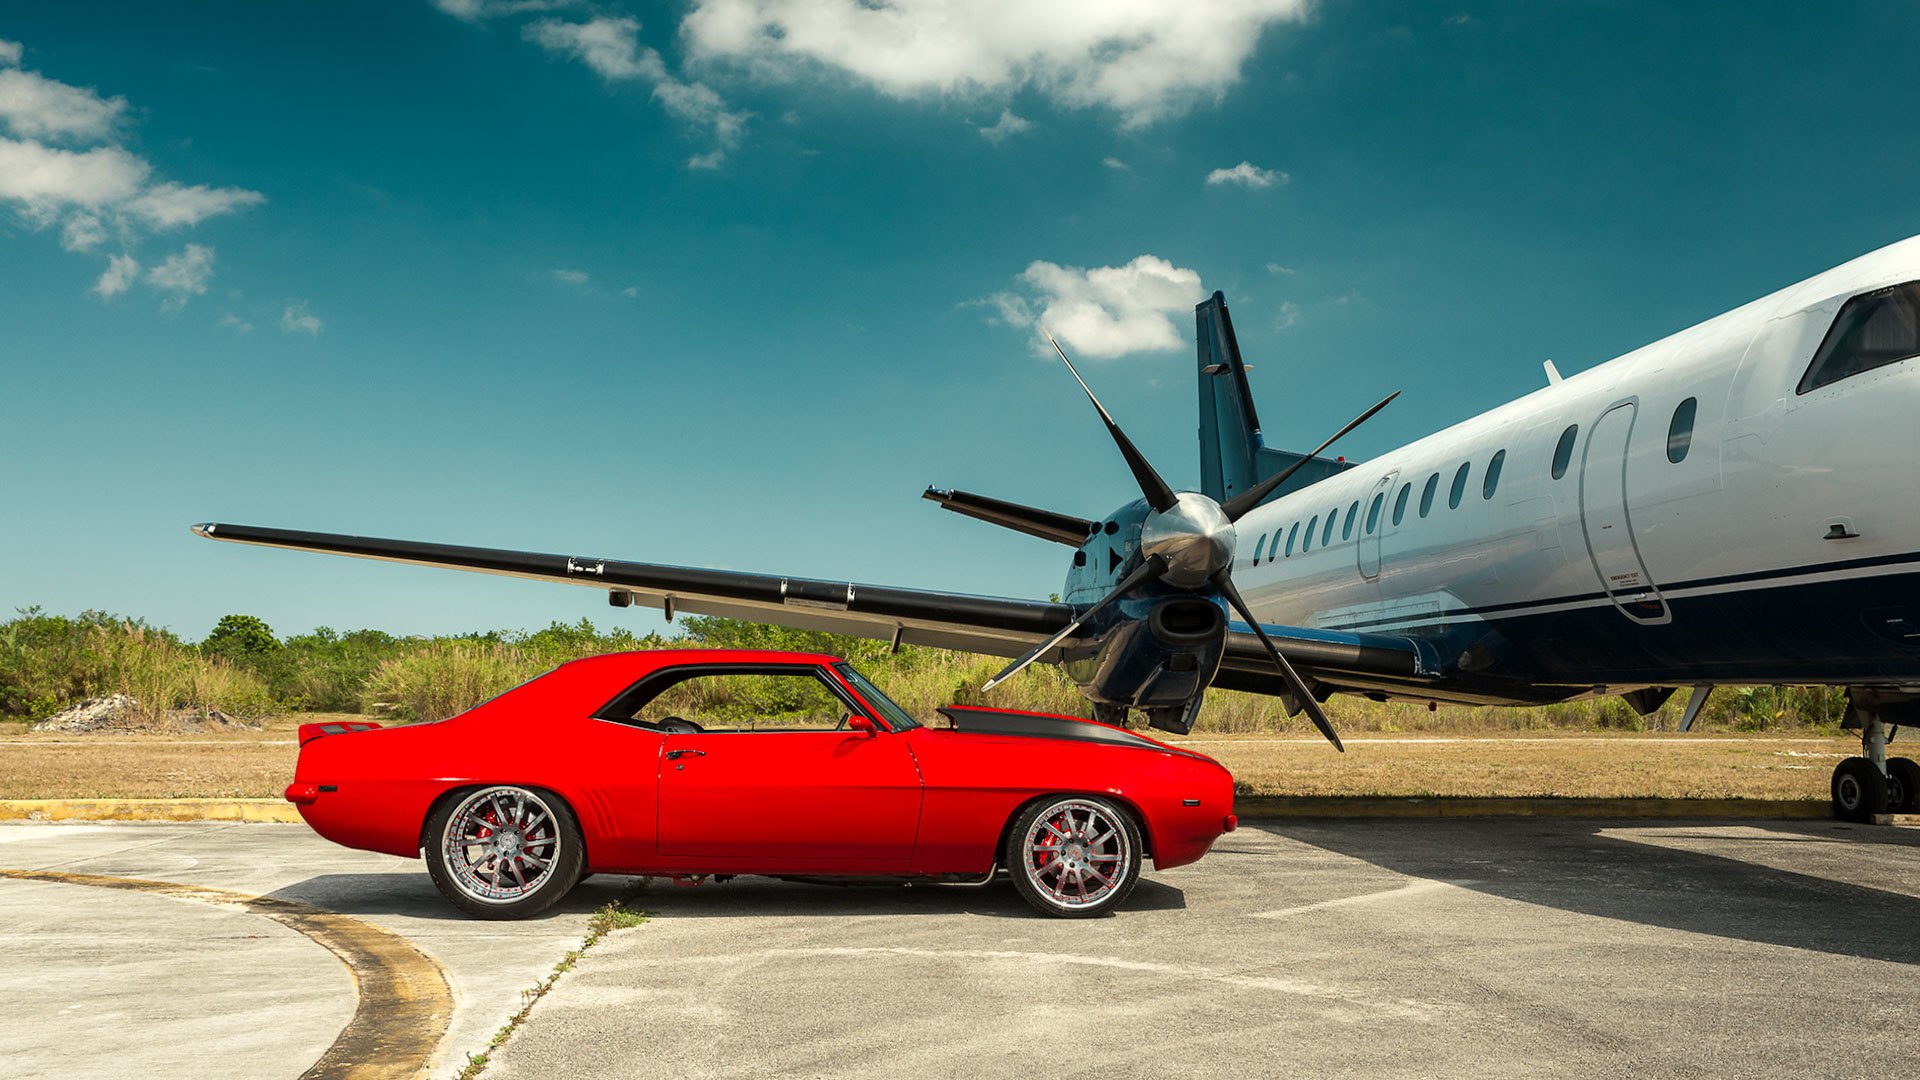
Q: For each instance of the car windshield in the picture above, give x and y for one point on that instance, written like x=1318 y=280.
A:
x=896 y=717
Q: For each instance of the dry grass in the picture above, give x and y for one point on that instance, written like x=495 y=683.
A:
x=259 y=764
x=1571 y=765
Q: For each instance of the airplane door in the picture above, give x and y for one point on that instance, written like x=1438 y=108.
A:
x=1608 y=525
x=1373 y=523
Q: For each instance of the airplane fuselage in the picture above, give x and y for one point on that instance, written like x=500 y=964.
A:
x=1680 y=515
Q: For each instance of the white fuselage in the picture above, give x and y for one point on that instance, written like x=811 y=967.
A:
x=1631 y=568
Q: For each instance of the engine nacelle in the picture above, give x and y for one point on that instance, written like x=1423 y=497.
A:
x=1159 y=662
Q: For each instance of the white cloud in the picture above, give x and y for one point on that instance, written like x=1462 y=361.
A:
x=82 y=232
x=101 y=192
x=1276 y=268
x=571 y=277
x=1247 y=174
x=630 y=291
x=1008 y=124
x=1116 y=164
x=1289 y=314
x=1105 y=311
x=183 y=274
x=295 y=318
x=477 y=10
x=47 y=179
x=610 y=45
x=36 y=107
x=237 y=324
x=171 y=205
x=1144 y=59
x=121 y=270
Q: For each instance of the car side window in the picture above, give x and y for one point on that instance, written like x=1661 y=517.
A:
x=1872 y=330
x=732 y=698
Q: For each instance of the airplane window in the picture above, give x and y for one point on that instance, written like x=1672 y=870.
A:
x=1492 y=481
x=1872 y=330
x=1292 y=534
x=1326 y=534
x=1426 y=494
x=1346 y=531
x=1459 y=486
x=1258 y=545
x=1400 y=504
x=1373 y=511
x=1306 y=542
x=1563 y=451
x=1680 y=432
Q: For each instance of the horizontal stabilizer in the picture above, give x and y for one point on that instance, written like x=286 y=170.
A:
x=1045 y=524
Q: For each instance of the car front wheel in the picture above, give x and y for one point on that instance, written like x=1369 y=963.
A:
x=1074 y=857
x=503 y=852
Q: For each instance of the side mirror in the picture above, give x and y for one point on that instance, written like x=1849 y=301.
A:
x=861 y=723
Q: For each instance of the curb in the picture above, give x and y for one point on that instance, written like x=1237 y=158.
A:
x=148 y=810
x=1256 y=807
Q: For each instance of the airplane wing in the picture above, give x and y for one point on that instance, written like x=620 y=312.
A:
x=996 y=626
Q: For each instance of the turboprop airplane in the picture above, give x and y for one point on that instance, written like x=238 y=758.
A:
x=1733 y=504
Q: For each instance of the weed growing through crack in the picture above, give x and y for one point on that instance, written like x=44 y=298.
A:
x=615 y=916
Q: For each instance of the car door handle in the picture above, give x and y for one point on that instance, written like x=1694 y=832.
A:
x=673 y=755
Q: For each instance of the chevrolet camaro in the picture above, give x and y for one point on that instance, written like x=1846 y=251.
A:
x=707 y=763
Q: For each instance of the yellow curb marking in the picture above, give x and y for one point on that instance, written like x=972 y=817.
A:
x=403 y=1002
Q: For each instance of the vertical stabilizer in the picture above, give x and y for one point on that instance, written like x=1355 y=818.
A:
x=1233 y=454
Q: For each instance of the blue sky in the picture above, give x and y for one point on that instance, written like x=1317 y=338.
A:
x=659 y=282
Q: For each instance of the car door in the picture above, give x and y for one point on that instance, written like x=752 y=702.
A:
x=825 y=800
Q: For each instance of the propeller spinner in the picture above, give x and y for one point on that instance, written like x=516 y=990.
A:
x=1187 y=541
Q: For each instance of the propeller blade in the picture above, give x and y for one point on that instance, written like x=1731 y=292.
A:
x=1225 y=584
x=1153 y=567
x=1158 y=494
x=1045 y=524
x=1237 y=507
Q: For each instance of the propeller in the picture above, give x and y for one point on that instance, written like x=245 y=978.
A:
x=1151 y=568
x=1300 y=692
x=1187 y=541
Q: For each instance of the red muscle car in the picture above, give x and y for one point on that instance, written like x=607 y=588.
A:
x=799 y=767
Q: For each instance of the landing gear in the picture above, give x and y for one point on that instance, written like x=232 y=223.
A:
x=1115 y=715
x=1873 y=784
x=1859 y=790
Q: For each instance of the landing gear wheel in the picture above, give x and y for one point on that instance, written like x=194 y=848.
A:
x=1074 y=858
x=1859 y=790
x=504 y=852
x=1903 y=786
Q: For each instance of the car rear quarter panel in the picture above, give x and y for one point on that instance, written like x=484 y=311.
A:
x=976 y=782
x=539 y=735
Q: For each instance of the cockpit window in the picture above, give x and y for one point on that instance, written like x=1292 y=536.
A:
x=1873 y=330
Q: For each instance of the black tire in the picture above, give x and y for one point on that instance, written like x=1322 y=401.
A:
x=1091 y=834
x=549 y=828
x=1903 y=786
x=1859 y=790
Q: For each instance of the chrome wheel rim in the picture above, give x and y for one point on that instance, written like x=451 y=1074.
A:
x=501 y=844
x=1076 y=854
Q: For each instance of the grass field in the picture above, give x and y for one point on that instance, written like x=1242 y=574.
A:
x=259 y=764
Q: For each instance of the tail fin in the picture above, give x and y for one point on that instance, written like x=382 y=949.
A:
x=1233 y=456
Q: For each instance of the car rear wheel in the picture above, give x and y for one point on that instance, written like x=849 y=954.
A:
x=504 y=852
x=1074 y=857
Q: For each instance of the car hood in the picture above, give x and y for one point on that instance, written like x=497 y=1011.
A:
x=972 y=719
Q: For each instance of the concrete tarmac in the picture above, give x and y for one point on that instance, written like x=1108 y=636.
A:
x=1423 y=947
x=103 y=982
x=1472 y=947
